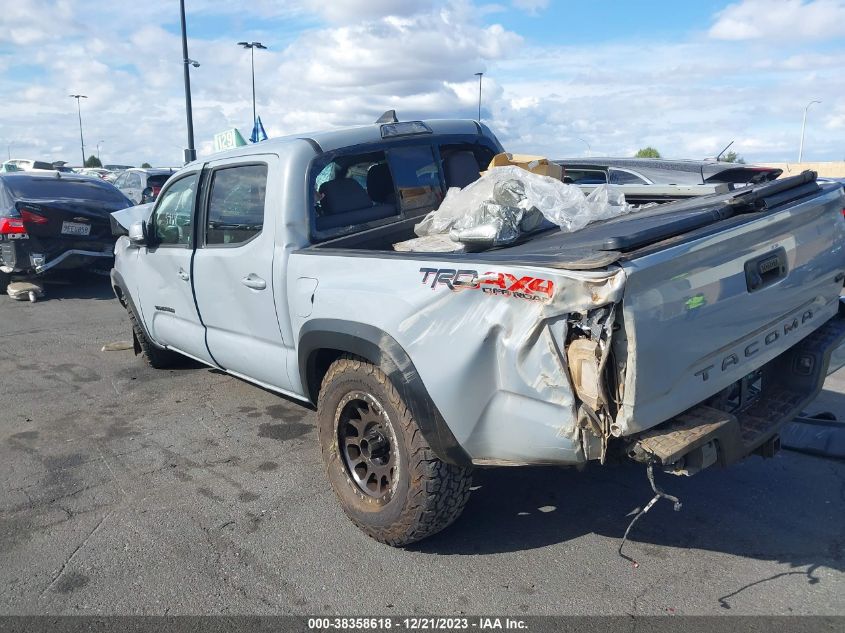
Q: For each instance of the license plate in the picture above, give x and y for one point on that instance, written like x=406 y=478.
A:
x=75 y=228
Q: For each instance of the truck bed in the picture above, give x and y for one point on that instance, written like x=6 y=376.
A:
x=605 y=242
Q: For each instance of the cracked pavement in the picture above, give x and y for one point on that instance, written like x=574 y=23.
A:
x=127 y=490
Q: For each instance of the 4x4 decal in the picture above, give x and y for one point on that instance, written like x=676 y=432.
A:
x=495 y=283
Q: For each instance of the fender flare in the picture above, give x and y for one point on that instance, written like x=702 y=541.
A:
x=380 y=349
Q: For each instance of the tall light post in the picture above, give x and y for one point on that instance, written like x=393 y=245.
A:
x=589 y=149
x=98 y=151
x=190 y=152
x=479 y=75
x=9 y=150
x=252 y=46
x=79 y=112
x=803 y=125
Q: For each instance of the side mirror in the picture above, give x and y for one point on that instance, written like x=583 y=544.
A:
x=147 y=195
x=138 y=233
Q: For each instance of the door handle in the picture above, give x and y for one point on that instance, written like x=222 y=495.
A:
x=254 y=281
x=183 y=275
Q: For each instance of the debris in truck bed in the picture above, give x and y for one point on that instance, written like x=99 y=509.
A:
x=507 y=202
x=438 y=243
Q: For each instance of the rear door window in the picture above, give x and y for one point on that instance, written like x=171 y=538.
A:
x=236 y=204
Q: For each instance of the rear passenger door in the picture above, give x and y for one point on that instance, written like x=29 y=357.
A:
x=234 y=269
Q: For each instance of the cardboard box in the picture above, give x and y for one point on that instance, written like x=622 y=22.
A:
x=535 y=164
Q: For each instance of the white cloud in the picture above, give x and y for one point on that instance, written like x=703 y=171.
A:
x=531 y=6
x=787 y=19
x=348 y=10
x=348 y=64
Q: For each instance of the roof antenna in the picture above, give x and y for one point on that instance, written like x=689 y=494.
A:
x=388 y=117
x=723 y=151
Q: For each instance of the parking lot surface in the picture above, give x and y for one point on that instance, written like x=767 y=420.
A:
x=127 y=490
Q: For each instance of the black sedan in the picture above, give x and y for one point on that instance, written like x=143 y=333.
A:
x=54 y=220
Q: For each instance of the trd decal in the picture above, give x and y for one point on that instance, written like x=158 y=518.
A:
x=493 y=283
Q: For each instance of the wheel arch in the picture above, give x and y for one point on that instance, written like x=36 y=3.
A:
x=322 y=341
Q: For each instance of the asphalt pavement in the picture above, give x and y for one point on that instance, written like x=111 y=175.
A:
x=127 y=490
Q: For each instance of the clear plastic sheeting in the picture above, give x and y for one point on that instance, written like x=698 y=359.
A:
x=509 y=201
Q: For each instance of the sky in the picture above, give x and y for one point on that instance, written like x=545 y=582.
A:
x=561 y=78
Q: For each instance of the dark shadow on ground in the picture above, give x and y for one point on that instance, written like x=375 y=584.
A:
x=783 y=509
x=76 y=284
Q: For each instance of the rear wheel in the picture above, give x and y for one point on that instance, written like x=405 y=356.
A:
x=388 y=480
x=155 y=356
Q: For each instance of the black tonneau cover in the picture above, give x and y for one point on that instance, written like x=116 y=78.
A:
x=629 y=232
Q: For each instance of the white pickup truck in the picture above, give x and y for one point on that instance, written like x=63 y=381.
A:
x=682 y=335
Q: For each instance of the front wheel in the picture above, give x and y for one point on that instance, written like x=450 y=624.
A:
x=156 y=357
x=388 y=480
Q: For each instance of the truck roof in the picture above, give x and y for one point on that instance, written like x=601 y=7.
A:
x=329 y=140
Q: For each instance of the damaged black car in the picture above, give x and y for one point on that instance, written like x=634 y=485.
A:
x=55 y=221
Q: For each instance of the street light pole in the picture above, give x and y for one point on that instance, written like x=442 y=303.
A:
x=79 y=112
x=252 y=46
x=479 y=75
x=589 y=149
x=803 y=125
x=98 y=151
x=190 y=152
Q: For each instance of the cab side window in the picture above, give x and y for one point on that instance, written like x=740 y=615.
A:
x=173 y=216
x=236 y=204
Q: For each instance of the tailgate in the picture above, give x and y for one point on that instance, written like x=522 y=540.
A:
x=701 y=315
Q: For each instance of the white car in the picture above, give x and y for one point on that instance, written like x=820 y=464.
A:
x=142 y=185
x=25 y=164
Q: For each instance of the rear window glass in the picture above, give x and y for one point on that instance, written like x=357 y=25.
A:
x=157 y=181
x=619 y=177
x=584 y=176
x=56 y=188
x=353 y=189
x=416 y=177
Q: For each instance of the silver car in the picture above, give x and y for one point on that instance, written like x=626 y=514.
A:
x=142 y=185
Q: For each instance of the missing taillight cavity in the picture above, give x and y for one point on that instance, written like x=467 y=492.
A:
x=31 y=217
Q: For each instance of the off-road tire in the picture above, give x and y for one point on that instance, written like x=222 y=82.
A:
x=429 y=494
x=5 y=279
x=156 y=357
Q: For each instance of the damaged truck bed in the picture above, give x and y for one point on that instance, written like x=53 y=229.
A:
x=680 y=336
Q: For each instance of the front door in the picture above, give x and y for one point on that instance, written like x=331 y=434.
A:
x=234 y=269
x=164 y=286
